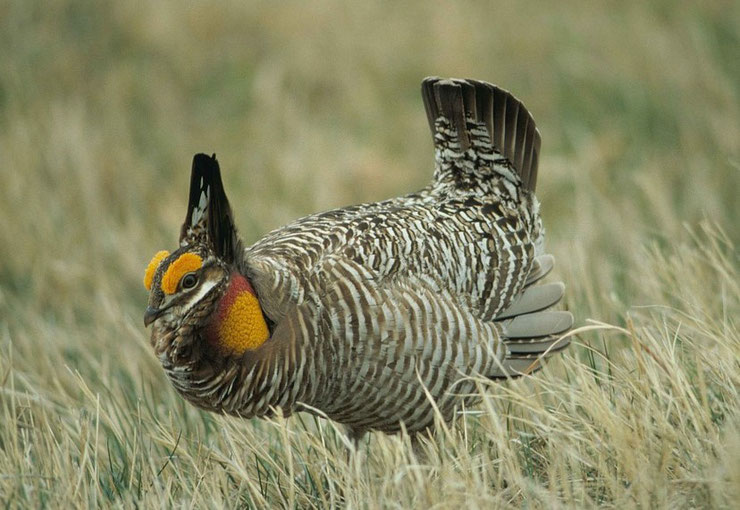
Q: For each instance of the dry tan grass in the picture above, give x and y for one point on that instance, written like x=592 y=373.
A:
x=315 y=106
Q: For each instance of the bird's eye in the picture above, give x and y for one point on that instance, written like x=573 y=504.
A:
x=189 y=281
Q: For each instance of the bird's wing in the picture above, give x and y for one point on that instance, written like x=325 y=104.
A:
x=391 y=345
x=389 y=320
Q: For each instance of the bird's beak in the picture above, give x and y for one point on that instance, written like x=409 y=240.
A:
x=151 y=314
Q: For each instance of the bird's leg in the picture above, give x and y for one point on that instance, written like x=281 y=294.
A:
x=417 y=446
x=354 y=435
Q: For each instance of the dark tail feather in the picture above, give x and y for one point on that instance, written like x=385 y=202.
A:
x=471 y=114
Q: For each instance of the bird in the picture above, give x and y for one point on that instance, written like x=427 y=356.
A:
x=379 y=316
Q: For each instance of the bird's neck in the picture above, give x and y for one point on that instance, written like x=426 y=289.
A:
x=238 y=324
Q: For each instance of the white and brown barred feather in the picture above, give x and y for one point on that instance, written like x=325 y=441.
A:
x=376 y=306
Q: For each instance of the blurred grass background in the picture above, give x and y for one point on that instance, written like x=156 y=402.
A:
x=315 y=105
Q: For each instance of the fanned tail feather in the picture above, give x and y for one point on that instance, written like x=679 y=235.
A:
x=479 y=127
x=530 y=331
x=482 y=131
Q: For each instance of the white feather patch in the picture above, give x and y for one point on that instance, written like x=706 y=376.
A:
x=202 y=291
x=200 y=209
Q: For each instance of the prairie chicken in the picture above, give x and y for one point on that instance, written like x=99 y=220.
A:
x=369 y=313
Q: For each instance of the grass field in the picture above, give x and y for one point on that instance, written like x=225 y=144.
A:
x=102 y=106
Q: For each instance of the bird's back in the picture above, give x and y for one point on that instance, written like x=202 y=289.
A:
x=473 y=230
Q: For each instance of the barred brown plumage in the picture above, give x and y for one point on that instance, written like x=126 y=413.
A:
x=373 y=309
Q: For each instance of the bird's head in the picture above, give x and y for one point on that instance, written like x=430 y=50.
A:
x=198 y=289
